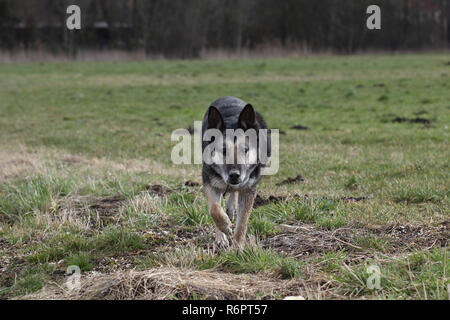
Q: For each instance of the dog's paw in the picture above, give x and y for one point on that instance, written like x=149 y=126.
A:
x=238 y=241
x=237 y=245
x=227 y=230
x=225 y=227
x=222 y=242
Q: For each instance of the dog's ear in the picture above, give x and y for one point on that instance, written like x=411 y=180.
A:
x=247 y=118
x=215 y=120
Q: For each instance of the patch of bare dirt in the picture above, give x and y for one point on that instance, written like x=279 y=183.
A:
x=11 y=265
x=263 y=201
x=108 y=205
x=73 y=160
x=107 y=208
x=190 y=183
x=304 y=240
x=94 y=211
x=158 y=190
x=416 y=236
x=299 y=127
x=356 y=199
x=411 y=120
x=298 y=178
x=174 y=283
x=161 y=190
x=113 y=263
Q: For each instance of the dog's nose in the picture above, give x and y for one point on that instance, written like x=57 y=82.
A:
x=234 y=177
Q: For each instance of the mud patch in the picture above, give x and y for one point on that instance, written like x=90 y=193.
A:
x=304 y=240
x=73 y=160
x=158 y=190
x=191 y=183
x=161 y=190
x=416 y=236
x=356 y=199
x=108 y=205
x=106 y=209
x=94 y=212
x=411 y=120
x=263 y=201
x=298 y=178
x=299 y=127
x=260 y=201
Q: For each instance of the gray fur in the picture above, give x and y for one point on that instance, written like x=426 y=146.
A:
x=238 y=179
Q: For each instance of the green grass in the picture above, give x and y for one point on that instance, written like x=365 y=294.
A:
x=251 y=259
x=73 y=134
x=34 y=193
x=422 y=275
x=81 y=259
x=254 y=259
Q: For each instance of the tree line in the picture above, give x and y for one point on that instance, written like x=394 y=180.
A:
x=186 y=28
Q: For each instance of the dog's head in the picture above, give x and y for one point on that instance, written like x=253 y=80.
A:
x=235 y=155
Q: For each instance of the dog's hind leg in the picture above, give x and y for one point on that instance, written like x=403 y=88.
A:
x=232 y=204
x=221 y=220
x=245 y=206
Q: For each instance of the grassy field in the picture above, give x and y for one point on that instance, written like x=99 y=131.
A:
x=86 y=179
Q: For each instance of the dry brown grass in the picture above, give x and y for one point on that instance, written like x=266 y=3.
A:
x=173 y=283
x=22 y=161
x=19 y=162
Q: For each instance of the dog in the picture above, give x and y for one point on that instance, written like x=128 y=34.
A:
x=238 y=177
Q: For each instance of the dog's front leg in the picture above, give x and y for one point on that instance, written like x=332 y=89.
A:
x=221 y=220
x=245 y=205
